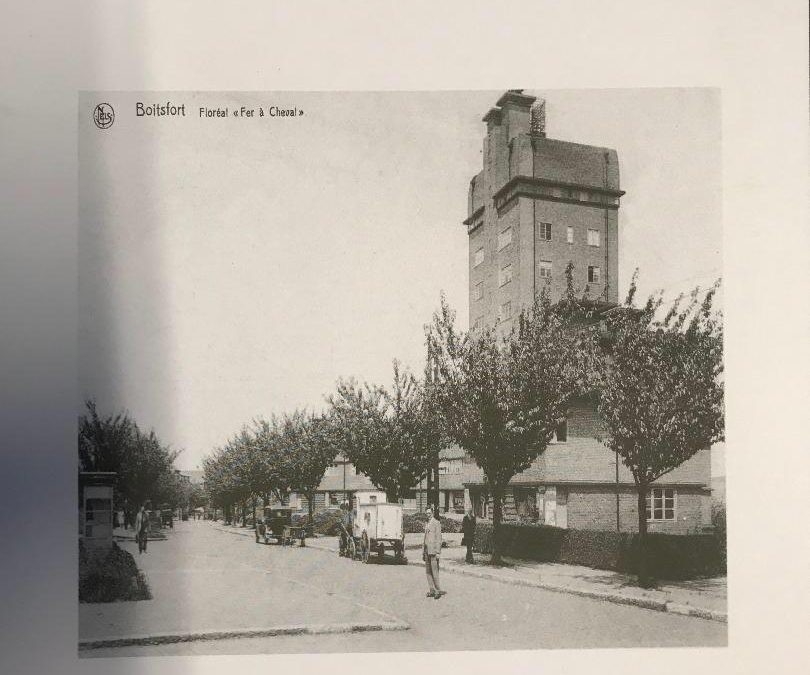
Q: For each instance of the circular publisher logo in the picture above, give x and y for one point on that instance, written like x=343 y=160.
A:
x=104 y=115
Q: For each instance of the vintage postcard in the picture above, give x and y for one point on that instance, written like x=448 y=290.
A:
x=400 y=371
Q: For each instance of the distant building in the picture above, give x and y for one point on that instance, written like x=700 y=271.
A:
x=195 y=477
x=342 y=479
x=451 y=485
x=339 y=483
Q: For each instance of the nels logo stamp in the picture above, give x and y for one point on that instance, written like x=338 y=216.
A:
x=104 y=115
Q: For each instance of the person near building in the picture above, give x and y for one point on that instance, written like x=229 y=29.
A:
x=261 y=531
x=345 y=527
x=142 y=528
x=468 y=528
x=431 y=549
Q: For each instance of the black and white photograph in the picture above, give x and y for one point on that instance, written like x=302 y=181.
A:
x=400 y=371
x=406 y=337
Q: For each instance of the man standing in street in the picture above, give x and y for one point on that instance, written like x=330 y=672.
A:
x=468 y=528
x=141 y=528
x=430 y=552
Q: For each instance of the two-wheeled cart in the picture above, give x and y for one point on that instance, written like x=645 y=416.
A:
x=376 y=528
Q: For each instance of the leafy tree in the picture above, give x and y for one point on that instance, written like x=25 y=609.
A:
x=143 y=465
x=311 y=446
x=391 y=435
x=661 y=394
x=503 y=398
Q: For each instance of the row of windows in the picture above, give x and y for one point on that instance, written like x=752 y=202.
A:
x=545 y=270
x=526 y=502
x=544 y=232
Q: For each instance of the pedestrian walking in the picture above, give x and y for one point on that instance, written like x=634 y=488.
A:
x=142 y=528
x=431 y=550
x=345 y=527
x=261 y=530
x=468 y=528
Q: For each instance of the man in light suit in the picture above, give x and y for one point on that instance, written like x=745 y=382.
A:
x=430 y=553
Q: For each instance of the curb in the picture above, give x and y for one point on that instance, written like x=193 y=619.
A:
x=272 y=631
x=616 y=598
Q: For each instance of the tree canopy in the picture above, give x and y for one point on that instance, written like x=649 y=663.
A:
x=144 y=467
x=503 y=397
x=393 y=435
x=661 y=389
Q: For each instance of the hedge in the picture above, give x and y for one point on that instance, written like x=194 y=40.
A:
x=110 y=577
x=323 y=522
x=415 y=522
x=669 y=556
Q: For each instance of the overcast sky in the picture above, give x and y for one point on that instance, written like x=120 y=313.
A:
x=231 y=268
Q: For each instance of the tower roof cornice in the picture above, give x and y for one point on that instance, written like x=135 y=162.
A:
x=516 y=97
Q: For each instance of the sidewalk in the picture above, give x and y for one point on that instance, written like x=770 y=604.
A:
x=704 y=598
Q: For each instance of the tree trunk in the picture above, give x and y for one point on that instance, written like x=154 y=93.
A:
x=310 y=499
x=497 y=517
x=643 y=576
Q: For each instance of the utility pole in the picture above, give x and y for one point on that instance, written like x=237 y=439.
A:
x=618 y=523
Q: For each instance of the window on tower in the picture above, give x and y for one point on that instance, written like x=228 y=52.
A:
x=593 y=237
x=545 y=231
x=545 y=269
x=504 y=238
x=505 y=312
x=594 y=274
x=478 y=291
x=478 y=324
x=505 y=275
x=479 y=257
x=569 y=234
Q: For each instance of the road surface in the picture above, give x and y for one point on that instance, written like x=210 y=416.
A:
x=248 y=582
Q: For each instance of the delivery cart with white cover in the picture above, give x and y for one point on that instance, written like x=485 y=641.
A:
x=377 y=526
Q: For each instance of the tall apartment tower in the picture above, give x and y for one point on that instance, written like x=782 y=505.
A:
x=537 y=204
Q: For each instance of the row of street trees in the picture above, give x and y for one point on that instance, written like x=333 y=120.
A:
x=392 y=435
x=657 y=376
x=270 y=457
x=143 y=465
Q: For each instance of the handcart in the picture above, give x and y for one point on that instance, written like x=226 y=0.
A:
x=376 y=528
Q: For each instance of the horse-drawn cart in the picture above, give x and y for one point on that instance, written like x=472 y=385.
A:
x=376 y=526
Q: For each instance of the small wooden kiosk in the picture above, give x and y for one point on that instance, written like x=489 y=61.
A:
x=96 y=509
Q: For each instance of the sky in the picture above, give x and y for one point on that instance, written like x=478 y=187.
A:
x=234 y=268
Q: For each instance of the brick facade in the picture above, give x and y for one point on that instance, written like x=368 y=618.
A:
x=529 y=181
x=573 y=484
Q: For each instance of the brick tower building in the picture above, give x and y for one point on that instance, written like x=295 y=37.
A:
x=537 y=204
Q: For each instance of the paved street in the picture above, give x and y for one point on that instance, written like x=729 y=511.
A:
x=204 y=578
